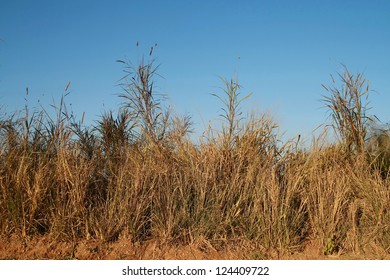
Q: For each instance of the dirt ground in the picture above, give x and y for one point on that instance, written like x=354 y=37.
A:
x=124 y=249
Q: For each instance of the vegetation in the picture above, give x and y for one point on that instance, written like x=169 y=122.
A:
x=138 y=173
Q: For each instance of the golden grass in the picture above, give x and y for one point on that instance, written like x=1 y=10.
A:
x=139 y=175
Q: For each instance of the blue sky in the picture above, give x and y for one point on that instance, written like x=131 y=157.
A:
x=286 y=50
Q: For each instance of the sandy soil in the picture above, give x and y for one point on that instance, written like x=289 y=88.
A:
x=46 y=248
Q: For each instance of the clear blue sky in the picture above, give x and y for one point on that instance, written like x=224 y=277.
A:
x=287 y=49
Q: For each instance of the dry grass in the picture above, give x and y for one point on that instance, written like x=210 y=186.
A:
x=138 y=174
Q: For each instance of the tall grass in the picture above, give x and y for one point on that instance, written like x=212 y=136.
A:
x=349 y=109
x=138 y=173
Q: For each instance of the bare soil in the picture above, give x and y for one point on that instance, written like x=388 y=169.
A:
x=123 y=249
